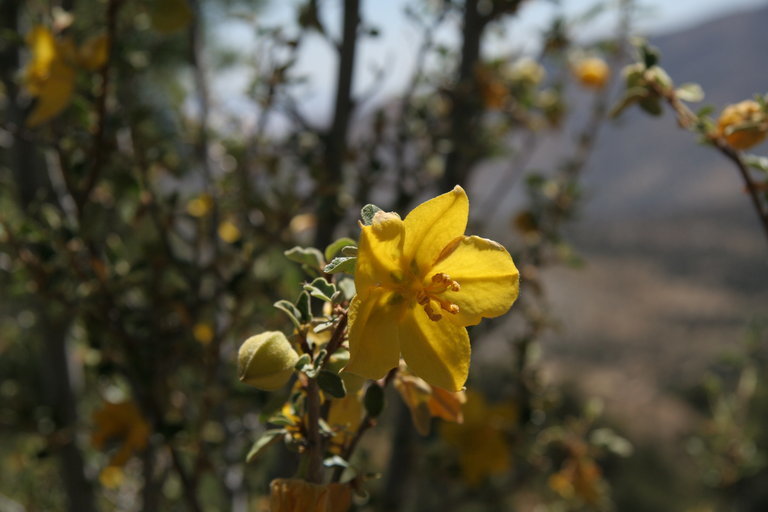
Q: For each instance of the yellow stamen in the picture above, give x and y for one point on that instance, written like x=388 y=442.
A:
x=440 y=283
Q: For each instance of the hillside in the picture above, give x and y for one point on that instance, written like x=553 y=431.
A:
x=676 y=262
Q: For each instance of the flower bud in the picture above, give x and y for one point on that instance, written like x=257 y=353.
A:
x=266 y=361
x=743 y=125
x=294 y=495
x=592 y=72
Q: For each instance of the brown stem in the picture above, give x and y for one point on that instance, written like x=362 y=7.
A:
x=62 y=400
x=331 y=176
x=337 y=337
x=690 y=121
x=190 y=494
x=202 y=144
x=467 y=108
x=407 y=175
x=97 y=154
x=314 y=452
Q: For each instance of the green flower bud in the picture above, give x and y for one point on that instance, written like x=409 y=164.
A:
x=633 y=74
x=266 y=361
x=658 y=75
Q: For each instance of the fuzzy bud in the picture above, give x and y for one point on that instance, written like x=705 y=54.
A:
x=266 y=361
x=592 y=72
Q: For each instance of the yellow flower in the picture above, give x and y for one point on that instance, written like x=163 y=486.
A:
x=200 y=206
x=420 y=282
x=492 y=90
x=592 y=72
x=344 y=418
x=229 y=232
x=294 y=495
x=425 y=401
x=111 y=477
x=481 y=439
x=203 y=333
x=50 y=74
x=743 y=125
x=579 y=477
x=119 y=421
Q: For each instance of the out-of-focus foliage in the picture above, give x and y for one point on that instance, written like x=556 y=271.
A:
x=148 y=228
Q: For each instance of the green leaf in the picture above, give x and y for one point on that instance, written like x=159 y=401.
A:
x=308 y=256
x=335 y=461
x=266 y=439
x=632 y=95
x=757 y=162
x=303 y=361
x=350 y=250
x=325 y=428
x=651 y=105
x=321 y=289
x=289 y=309
x=705 y=111
x=337 y=246
x=280 y=420
x=331 y=384
x=303 y=304
x=344 y=264
x=367 y=213
x=690 y=92
x=347 y=287
x=374 y=400
x=650 y=55
x=320 y=358
x=322 y=326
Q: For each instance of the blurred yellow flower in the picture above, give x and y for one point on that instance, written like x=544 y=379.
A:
x=579 y=477
x=50 y=74
x=492 y=90
x=94 y=52
x=294 y=495
x=124 y=423
x=481 y=439
x=111 y=477
x=425 y=401
x=420 y=282
x=344 y=418
x=743 y=125
x=592 y=72
x=203 y=333
x=200 y=206
x=229 y=232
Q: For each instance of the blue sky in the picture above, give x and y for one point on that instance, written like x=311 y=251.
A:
x=394 y=49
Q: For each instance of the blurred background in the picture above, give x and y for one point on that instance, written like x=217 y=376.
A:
x=158 y=157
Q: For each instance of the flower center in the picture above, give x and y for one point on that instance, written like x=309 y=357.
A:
x=429 y=298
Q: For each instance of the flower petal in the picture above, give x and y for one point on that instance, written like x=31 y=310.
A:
x=432 y=224
x=487 y=275
x=374 y=348
x=53 y=94
x=379 y=253
x=436 y=351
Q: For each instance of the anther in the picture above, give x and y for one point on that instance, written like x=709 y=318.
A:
x=431 y=314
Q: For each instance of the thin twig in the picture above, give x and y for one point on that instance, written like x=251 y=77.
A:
x=97 y=154
x=690 y=121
